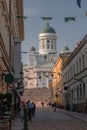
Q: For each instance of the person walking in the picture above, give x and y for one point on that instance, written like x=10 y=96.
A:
x=29 y=106
x=42 y=104
x=54 y=106
x=33 y=108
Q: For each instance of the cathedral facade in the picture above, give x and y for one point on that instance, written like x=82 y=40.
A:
x=38 y=72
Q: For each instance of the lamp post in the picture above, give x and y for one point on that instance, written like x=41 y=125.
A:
x=25 y=118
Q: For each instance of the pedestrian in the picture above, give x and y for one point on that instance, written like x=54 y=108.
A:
x=54 y=106
x=33 y=108
x=42 y=104
x=29 y=106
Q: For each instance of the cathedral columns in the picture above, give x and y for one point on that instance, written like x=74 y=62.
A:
x=35 y=79
x=47 y=76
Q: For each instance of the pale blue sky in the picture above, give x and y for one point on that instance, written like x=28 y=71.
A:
x=67 y=33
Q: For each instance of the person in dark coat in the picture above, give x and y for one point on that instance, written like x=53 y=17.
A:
x=54 y=106
x=30 y=106
x=33 y=108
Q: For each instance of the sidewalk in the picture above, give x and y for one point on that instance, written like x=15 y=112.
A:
x=76 y=115
x=17 y=124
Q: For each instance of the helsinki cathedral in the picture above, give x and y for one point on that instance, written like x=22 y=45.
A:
x=38 y=72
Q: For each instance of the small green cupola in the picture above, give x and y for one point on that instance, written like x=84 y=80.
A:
x=32 y=48
x=65 y=49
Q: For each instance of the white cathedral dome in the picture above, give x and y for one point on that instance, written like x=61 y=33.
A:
x=47 y=40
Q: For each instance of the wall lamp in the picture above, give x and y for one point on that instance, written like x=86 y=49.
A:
x=60 y=74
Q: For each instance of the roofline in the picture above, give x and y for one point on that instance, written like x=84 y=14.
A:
x=76 y=51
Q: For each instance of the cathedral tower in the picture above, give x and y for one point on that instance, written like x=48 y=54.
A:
x=47 y=40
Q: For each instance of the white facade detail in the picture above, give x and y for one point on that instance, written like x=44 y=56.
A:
x=47 y=43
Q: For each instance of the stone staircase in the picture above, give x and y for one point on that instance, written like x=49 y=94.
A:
x=37 y=95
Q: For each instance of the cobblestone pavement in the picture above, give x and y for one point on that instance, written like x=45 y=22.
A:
x=46 y=119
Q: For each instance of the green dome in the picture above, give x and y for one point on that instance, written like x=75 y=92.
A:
x=66 y=48
x=32 y=48
x=48 y=29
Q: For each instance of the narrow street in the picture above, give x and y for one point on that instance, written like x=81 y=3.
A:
x=46 y=119
x=43 y=61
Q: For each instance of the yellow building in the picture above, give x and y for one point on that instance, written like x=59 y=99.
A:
x=56 y=85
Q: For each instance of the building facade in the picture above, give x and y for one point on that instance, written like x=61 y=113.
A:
x=10 y=28
x=56 y=85
x=41 y=61
x=75 y=78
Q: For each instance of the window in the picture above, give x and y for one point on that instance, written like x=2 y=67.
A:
x=80 y=90
x=66 y=77
x=48 y=46
x=83 y=61
x=83 y=89
x=48 y=41
x=43 y=46
x=43 y=41
x=52 y=41
x=39 y=75
x=68 y=74
x=73 y=69
x=72 y=93
x=79 y=64
x=86 y=58
x=77 y=92
x=51 y=46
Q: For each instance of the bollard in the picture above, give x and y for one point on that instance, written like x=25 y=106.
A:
x=25 y=119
